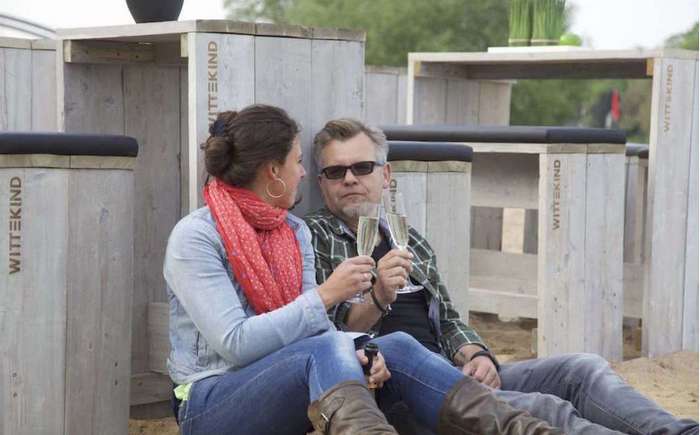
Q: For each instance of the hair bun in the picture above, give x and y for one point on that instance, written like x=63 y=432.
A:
x=222 y=123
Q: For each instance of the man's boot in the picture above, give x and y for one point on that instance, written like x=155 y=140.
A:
x=348 y=409
x=470 y=408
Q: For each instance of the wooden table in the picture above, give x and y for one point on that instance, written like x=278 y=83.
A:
x=573 y=286
x=670 y=275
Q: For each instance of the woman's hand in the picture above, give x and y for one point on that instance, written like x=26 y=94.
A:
x=379 y=373
x=350 y=277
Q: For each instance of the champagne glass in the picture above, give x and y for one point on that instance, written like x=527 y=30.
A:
x=395 y=208
x=367 y=229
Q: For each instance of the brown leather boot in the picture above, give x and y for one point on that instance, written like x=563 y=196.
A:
x=470 y=408
x=348 y=409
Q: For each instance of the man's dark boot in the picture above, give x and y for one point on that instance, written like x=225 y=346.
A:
x=348 y=409
x=470 y=408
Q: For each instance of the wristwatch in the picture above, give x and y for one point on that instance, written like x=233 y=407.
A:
x=490 y=356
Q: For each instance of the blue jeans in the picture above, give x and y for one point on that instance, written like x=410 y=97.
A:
x=272 y=394
x=581 y=394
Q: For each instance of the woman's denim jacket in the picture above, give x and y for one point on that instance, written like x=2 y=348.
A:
x=212 y=327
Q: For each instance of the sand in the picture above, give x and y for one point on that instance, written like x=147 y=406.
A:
x=671 y=380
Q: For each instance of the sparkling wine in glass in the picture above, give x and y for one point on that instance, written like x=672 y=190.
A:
x=395 y=208
x=367 y=228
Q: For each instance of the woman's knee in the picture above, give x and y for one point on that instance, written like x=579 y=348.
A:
x=402 y=339
x=333 y=343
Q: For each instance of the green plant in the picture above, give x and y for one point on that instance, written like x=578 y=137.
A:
x=548 y=21
x=520 y=22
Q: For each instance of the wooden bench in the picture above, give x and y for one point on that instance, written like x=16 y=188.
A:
x=575 y=179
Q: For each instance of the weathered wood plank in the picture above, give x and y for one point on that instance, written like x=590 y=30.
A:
x=158 y=336
x=430 y=101
x=486 y=227
x=93 y=99
x=560 y=260
x=382 y=98
x=463 y=102
x=521 y=269
x=151 y=98
x=107 y=52
x=215 y=85
x=337 y=88
x=635 y=188
x=98 y=319
x=411 y=73
x=690 y=298
x=44 y=90
x=603 y=255
x=414 y=187
x=633 y=283
x=494 y=102
x=183 y=155
x=503 y=303
x=150 y=388
x=490 y=103
x=401 y=99
x=15 y=89
x=530 y=232
x=33 y=311
x=664 y=253
x=283 y=78
x=505 y=180
x=448 y=206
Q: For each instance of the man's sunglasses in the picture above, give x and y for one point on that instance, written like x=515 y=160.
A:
x=359 y=168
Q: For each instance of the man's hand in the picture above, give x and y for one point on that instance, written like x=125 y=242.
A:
x=392 y=274
x=480 y=368
x=379 y=372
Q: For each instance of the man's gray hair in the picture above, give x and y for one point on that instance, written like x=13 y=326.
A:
x=346 y=128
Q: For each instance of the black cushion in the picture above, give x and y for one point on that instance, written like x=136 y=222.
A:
x=66 y=144
x=505 y=134
x=429 y=151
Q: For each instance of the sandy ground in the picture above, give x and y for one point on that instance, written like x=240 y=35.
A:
x=671 y=380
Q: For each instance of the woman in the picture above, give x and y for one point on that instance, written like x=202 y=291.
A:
x=252 y=346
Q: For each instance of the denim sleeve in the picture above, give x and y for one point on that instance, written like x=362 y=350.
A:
x=196 y=272
x=308 y=257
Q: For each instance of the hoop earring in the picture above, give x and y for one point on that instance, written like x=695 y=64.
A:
x=284 y=188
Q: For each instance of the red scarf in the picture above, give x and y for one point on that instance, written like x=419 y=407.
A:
x=261 y=247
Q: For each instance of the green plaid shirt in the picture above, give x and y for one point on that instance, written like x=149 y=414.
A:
x=333 y=242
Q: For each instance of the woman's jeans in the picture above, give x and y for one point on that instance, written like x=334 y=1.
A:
x=272 y=394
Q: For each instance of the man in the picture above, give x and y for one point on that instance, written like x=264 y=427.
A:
x=581 y=393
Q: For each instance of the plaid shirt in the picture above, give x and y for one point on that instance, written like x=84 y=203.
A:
x=333 y=242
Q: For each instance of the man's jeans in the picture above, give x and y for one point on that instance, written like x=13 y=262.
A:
x=575 y=391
